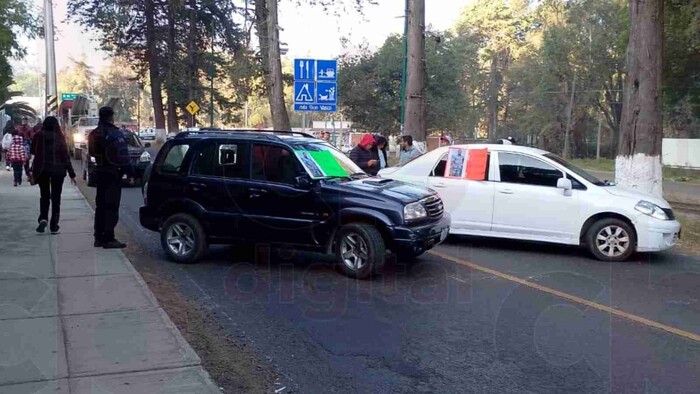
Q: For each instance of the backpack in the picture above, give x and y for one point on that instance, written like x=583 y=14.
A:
x=6 y=141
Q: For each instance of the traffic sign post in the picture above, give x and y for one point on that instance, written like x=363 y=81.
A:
x=315 y=85
x=192 y=108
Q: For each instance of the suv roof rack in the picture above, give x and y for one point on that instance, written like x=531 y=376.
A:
x=217 y=131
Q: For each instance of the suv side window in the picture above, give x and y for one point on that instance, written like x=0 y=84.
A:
x=224 y=160
x=275 y=164
x=526 y=170
x=173 y=160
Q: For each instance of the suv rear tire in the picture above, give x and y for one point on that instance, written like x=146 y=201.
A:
x=183 y=239
x=611 y=240
x=360 y=250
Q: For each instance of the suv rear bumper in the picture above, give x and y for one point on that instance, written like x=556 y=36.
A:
x=421 y=238
x=149 y=219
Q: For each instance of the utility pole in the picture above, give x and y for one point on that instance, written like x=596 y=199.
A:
x=51 y=99
x=405 y=64
x=568 y=118
x=415 y=125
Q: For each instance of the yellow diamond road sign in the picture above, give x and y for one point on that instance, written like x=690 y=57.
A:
x=192 y=108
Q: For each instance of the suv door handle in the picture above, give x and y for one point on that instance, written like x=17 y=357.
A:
x=196 y=186
x=506 y=191
x=255 y=192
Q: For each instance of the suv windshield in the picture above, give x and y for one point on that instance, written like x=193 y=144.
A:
x=131 y=139
x=321 y=160
x=583 y=174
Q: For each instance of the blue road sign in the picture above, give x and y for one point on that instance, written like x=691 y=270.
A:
x=326 y=70
x=304 y=70
x=315 y=87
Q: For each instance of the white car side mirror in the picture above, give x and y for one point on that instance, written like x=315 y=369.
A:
x=566 y=185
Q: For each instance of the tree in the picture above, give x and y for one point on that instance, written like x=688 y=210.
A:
x=414 y=117
x=16 y=20
x=166 y=42
x=638 y=163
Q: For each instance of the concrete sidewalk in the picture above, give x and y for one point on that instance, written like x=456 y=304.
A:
x=76 y=319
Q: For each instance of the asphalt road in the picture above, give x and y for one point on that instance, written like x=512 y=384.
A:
x=483 y=316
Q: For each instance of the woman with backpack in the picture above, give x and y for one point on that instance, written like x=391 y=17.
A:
x=51 y=163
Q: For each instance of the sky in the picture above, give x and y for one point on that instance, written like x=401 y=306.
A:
x=308 y=31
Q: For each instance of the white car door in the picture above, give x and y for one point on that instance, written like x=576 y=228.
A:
x=470 y=203
x=527 y=203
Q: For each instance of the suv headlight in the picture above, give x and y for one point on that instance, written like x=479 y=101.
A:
x=414 y=211
x=651 y=209
x=145 y=157
x=92 y=160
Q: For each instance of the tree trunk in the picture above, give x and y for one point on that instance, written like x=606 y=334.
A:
x=638 y=163
x=261 y=28
x=415 y=122
x=493 y=99
x=192 y=58
x=154 y=71
x=173 y=124
x=275 y=83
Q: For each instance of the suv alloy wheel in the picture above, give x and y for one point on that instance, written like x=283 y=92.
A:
x=360 y=250
x=183 y=238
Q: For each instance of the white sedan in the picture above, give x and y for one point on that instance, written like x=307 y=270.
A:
x=531 y=194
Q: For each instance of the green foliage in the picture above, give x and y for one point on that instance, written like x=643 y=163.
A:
x=184 y=60
x=371 y=84
x=16 y=19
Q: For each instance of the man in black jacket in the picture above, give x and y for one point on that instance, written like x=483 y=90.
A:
x=107 y=145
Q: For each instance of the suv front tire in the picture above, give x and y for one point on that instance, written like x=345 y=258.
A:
x=360 y=250
x=183 y=238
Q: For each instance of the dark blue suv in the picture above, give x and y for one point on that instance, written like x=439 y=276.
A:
x=222 y=187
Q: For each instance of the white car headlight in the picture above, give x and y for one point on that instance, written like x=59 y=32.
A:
x=78 y=137
x=651 y=209
x=145 y=157
x=414 y=211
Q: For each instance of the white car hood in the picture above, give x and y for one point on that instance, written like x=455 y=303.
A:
x=388 y=171
x=621 y=191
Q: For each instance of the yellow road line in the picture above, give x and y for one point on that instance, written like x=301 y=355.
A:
x=573 y=298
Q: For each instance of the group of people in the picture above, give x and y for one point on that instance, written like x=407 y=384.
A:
x=43 y=152
x=371 y=153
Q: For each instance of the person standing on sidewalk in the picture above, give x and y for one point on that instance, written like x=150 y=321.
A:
x=107 y=145
x=49 y=168
x=17 y=156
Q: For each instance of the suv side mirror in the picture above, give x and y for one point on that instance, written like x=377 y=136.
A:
x=566 y=185
x=303 y=182
x=147 y=145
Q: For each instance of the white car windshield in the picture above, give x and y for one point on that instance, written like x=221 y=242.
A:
x=321 y=160
x=578 y=171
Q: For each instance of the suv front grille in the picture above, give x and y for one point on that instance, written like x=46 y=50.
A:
x=434 y=206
